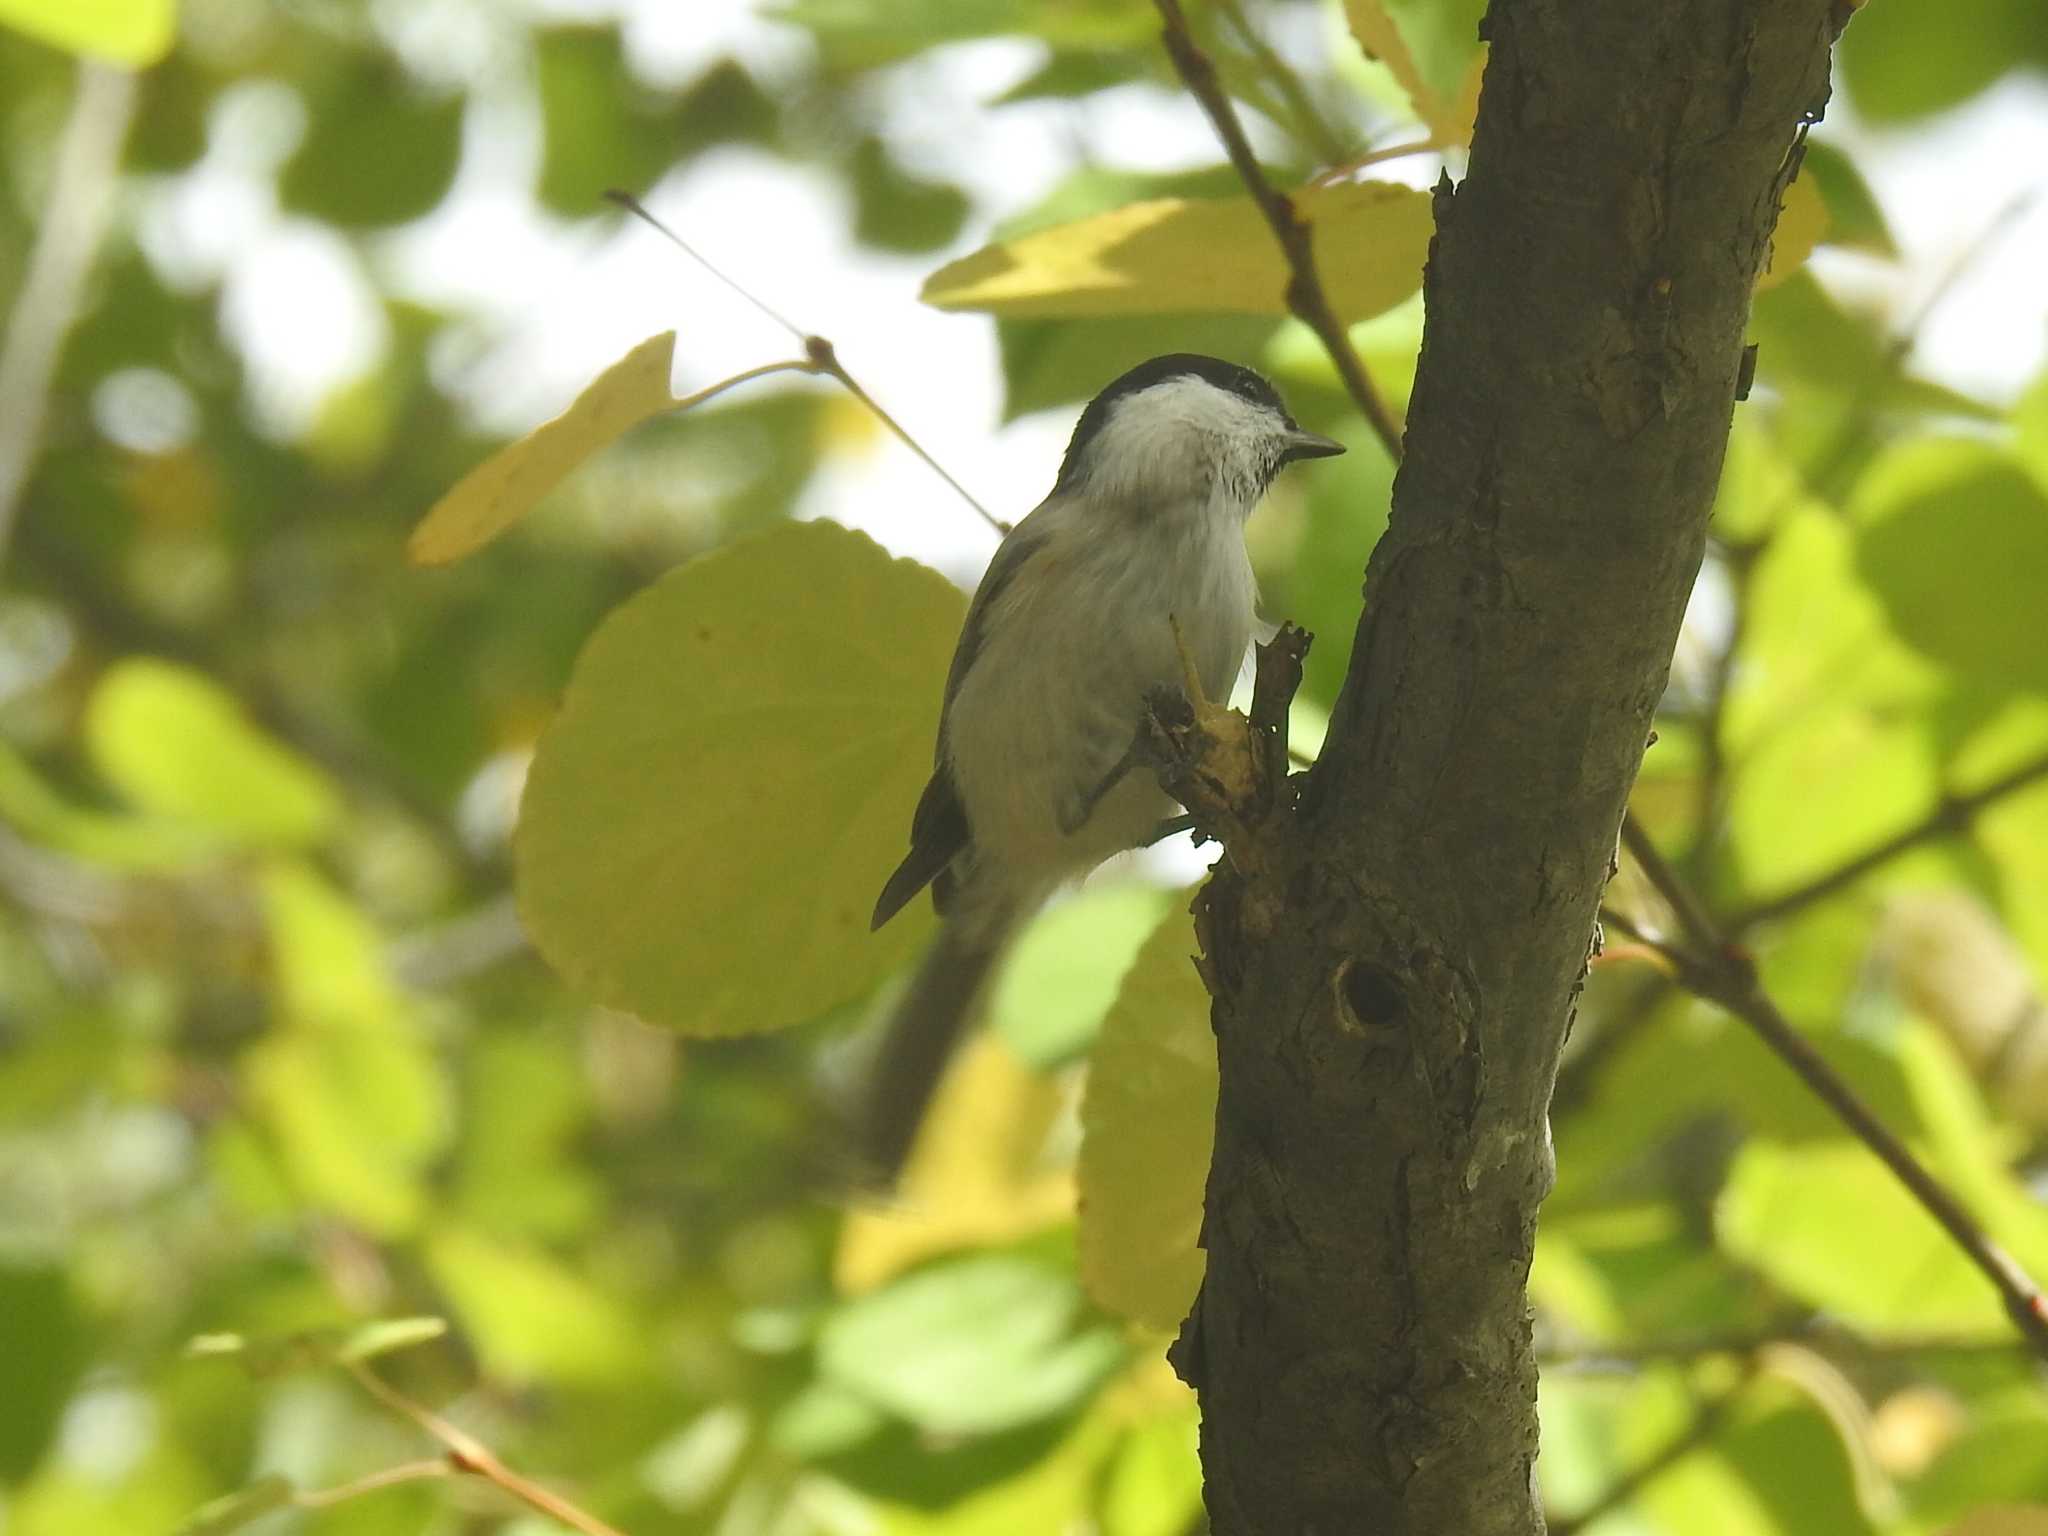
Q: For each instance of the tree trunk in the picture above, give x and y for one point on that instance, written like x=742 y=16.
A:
x=1394 y=978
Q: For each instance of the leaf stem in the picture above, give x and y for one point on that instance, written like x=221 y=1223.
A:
x=389 y=1477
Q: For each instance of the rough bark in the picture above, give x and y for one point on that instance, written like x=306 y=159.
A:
x=1394 y=970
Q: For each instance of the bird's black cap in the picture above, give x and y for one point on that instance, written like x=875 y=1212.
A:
x=1234 y=377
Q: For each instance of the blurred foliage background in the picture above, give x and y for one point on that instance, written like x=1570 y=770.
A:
x=277 y=1061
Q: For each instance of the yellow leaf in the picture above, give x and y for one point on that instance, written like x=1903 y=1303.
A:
x=1179 y=255
x=1801 y=223
x=1382 y=41
x=975 y=1177
x=1146 y=1128
x=1448 y=117
x=1456 y=127
x=131 y=32
x=507 y=485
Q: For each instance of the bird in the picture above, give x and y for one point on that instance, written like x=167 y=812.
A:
x=1135 y=561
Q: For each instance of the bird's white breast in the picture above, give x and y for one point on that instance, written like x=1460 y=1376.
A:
x=1070 y=646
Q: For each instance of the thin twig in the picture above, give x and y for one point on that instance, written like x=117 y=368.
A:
x=1952 y=815
x=1705 y=1424
x=1306 y=299
x=633 y=205
x=820 y=357
x=1714 y=968
x=470 y=1455
x=390 y=1477
x=73 y=222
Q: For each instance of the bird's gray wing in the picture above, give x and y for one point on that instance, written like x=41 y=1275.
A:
x=938 y=828
x=1010 y=557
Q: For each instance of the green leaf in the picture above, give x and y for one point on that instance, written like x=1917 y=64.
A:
x=1208 y=256
x=388 y=1337
x=1828 y=1223
x=731 y=778
x=380 y=151
x=1154 y=1484
x=894 y=210
x=1146 y=1128
x=1795 y=1472
x=1905 y=61
x=1948 y=525
x=44 y=1341
x=530 y=1317
x=121 y=842
x=1078 y=73
x=1804 y=335
x=599 y=127
x=517 y=1172
x=2000 y=1458
x=861 y=34
x=1048 y=363
x=1828 y=715
x=245 y=1506
x=970 y=1348
x=177 y=744
x=898 y=1462
x=2030 y=430
x=131 y=32
x=1064 y=973
x=1854 y=217
x=348 y=1090
x=1802 y=219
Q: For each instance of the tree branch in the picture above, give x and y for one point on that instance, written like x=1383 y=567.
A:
x=1394 y=965
x=1714 y=968
x=1952 y=816
x=1305 y=295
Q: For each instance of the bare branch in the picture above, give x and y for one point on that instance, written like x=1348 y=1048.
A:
x=1714 y=968
x=1951 y=816
x=1305 y=295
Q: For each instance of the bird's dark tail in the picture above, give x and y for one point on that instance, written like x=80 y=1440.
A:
x=922 y=1034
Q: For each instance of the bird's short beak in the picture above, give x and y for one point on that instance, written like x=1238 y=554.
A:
x=1310 y=445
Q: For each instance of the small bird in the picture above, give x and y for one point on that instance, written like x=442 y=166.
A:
x=1084 y=609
